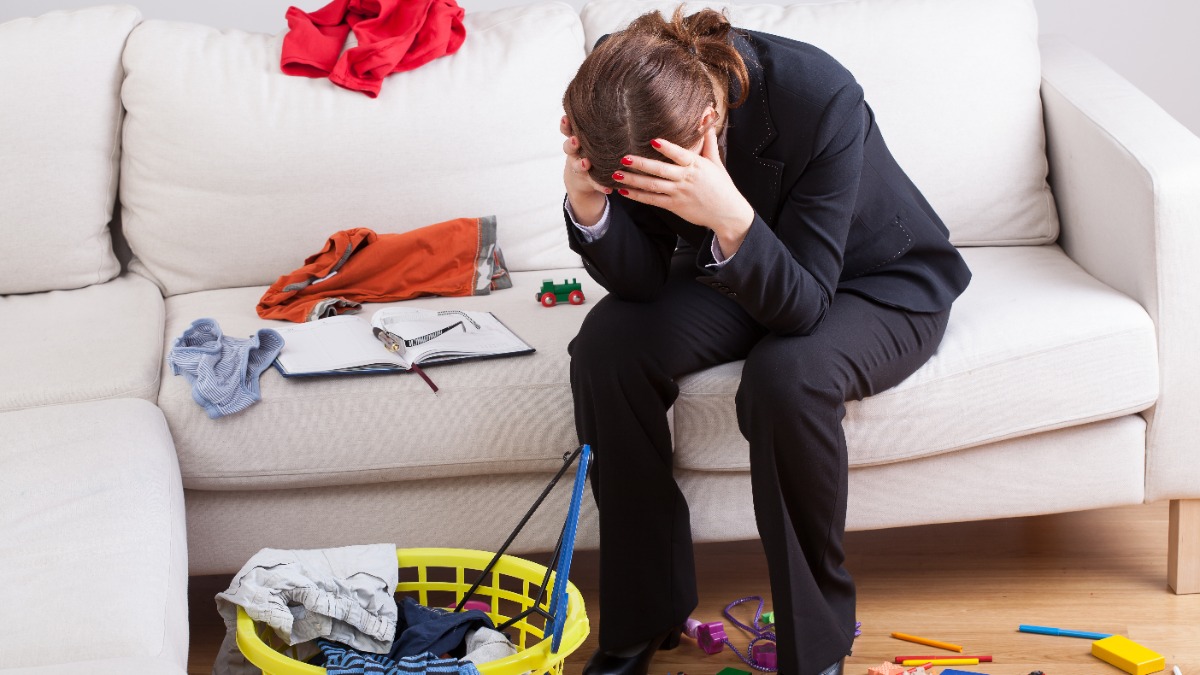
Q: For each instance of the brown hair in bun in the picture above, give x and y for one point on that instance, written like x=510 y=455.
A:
x=652 y=80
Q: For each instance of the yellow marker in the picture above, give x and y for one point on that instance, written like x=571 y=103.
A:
x=927 y=641
x=942 y=662
x=1128 y=655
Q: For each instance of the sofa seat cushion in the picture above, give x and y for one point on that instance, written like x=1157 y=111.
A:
x=93 y=553
x=103 y=341
x=60 y=130
x=509 y=415
x=1035 y=343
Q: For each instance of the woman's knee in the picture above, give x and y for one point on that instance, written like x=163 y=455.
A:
x=781 y=385
x=608 y=338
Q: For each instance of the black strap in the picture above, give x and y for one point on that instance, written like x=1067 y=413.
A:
x=568 y=460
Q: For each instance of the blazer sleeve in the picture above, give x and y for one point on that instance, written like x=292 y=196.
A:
x=786 y=277
x=633 y=257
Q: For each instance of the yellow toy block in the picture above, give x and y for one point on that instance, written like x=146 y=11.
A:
x=1128 y=655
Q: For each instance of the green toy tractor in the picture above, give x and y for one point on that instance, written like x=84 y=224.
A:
x=551 y=293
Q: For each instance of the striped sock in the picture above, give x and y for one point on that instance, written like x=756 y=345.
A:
x=223 y=371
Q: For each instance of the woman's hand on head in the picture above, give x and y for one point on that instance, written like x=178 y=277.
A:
x=587 y=197
x=694 y=186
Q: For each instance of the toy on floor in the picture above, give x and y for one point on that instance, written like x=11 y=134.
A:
x=926 y=641
x=1062 y=632
x=886 y=668
x=951 y=671
x=551 y=293
x=1128 y=655
x=712 y=638
x=943 y=662
x=761 y=653
x=983 y=658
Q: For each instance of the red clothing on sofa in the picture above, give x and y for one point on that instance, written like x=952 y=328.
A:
x=393 y=36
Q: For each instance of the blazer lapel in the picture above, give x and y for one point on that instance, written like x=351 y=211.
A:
x=750 y=131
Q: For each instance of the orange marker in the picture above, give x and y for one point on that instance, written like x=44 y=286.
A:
x=926 y=641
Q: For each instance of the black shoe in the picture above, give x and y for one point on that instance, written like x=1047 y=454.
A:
x=835 y=669
x=633 y=661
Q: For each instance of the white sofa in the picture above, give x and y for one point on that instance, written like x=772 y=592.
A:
x=154 y=172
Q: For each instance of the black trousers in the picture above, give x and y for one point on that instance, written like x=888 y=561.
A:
x=790 y=405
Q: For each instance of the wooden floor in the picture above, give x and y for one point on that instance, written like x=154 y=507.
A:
x=967 y=583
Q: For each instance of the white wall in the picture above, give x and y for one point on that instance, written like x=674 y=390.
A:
x=1153 y=43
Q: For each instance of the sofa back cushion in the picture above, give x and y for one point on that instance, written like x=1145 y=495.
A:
x=60 y=75
x=235 y=172
x=955 y=90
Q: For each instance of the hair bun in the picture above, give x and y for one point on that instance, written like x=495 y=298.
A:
x=654 y=79
x=707 y=24
x=690 y=32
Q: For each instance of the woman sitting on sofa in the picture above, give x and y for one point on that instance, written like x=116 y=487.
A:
x=732 y=192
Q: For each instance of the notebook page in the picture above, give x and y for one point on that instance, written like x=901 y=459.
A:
x=331 y=344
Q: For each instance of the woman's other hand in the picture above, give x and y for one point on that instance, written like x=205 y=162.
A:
x=694 y=186
x=587 y=197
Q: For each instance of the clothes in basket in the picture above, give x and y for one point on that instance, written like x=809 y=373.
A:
x=339 y=660
x=426 y=629
x=343 y=594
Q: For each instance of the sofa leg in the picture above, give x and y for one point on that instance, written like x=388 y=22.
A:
x=1183 y=547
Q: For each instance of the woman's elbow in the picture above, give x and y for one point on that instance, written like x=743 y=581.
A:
x=801 y=321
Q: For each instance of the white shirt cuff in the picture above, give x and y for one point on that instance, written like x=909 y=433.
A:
x=718 y=255
x=593 y=232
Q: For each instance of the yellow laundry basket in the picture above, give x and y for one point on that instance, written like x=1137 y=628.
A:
x=439 y=577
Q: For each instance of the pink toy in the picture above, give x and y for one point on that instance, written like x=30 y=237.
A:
x=893 y=669
x=474 y=604
x=764 y=654
x=710 y=636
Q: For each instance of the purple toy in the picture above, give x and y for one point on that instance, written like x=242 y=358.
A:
x=710 y=636
x=761 y=654
x=764 y=654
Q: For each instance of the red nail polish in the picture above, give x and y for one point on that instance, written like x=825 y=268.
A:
x=626 y=161
x=618 y=176
x=623 y=191
x=655 y=143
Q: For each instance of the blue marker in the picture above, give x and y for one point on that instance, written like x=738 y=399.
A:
x=1063 y=632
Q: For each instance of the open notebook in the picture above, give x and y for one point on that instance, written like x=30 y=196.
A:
x=394 y=340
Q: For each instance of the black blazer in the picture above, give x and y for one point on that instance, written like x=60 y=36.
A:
x=833 y=210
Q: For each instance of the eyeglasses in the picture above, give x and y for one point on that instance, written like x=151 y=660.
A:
x=396 y=343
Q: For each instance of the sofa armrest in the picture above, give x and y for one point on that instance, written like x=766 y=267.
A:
x=1126 y=177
